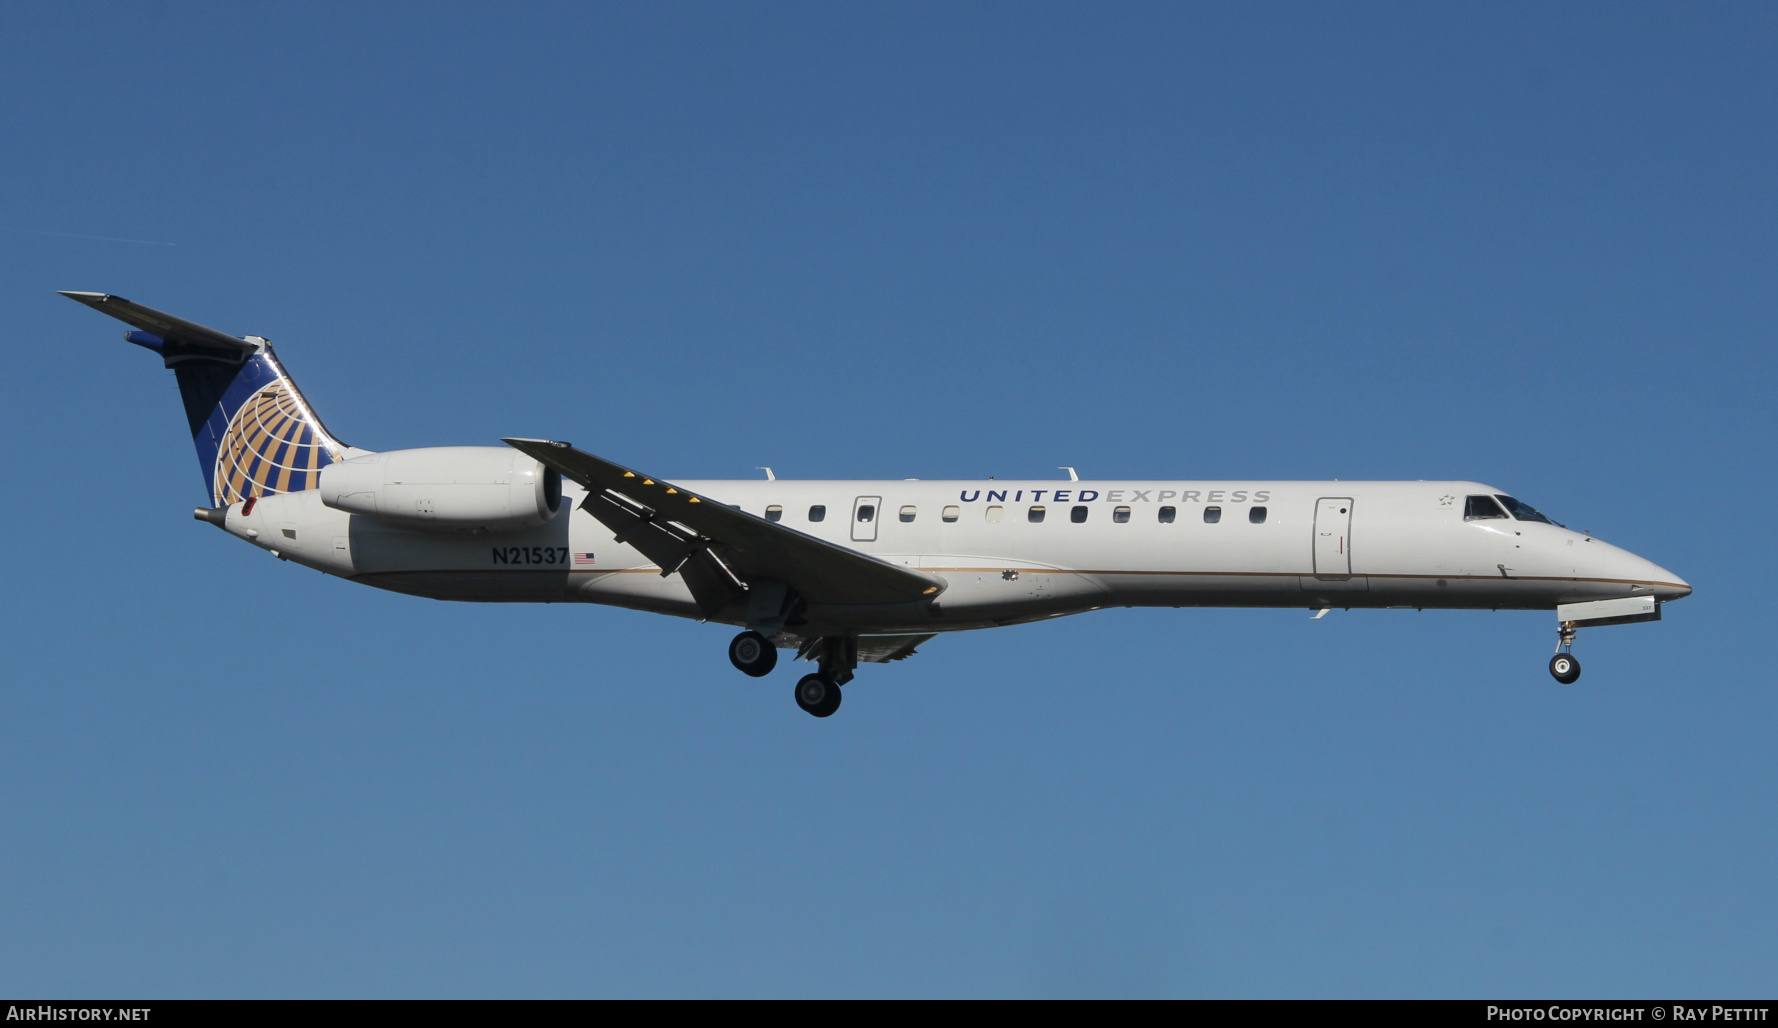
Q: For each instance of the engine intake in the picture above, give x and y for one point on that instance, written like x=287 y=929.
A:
x=445 y=488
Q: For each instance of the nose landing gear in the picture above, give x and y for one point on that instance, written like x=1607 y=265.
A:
x=1564 y=667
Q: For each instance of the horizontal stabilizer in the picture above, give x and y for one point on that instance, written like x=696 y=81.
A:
x=693 y=531
x=166 y=326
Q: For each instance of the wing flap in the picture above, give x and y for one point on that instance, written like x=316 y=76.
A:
x=881 y=649
x=672 y=527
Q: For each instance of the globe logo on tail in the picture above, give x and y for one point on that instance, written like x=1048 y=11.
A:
x=270 y=447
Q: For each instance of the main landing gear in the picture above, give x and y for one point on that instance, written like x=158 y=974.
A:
x=1564 y=667
x=818 y=694
x=837 y=657
x=753 y=654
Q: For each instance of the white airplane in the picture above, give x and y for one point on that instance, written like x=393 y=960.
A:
x=851 y=571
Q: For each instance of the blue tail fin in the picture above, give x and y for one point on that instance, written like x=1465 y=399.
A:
x=254 y=432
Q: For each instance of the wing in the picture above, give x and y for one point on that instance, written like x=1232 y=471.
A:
x=720 y=551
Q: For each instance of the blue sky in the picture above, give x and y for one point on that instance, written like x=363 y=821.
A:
x=1528 y=244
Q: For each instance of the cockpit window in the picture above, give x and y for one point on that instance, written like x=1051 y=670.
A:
x=1522 y=511
x=1477 y=508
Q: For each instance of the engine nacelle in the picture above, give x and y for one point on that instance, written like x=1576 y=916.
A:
x=445 y=488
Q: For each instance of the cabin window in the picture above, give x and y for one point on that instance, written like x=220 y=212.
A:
x=1522 y=511
x=1034 y=515
x=1167 y=515
x=1256 y=515
x=775 y=513
x=995 y=514
x=952 y=513
x=1481 y=508
x=1212 y=515
x=818 y=513
x=866 y=511
x=1122 y=515
x=1078 y=515
x=907 y=513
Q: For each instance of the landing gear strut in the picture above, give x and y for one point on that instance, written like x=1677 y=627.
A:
x=753 y=654
x=1564 y=667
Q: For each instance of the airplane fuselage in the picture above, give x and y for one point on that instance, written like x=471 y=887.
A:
x=1017 y=551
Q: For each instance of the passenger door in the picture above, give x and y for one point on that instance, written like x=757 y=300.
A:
x=1333 y=537
x=866 y=510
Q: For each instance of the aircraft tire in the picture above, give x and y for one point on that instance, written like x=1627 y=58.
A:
x=817 y=695
x=1564 y=668
x=752 y=654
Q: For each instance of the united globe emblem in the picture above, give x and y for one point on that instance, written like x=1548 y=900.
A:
x=270 y=447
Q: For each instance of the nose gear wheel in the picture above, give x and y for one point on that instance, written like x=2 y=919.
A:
x=1564 y=668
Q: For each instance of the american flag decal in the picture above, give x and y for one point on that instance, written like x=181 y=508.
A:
x=583 y=558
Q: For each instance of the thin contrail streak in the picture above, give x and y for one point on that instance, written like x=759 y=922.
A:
x=76 y=235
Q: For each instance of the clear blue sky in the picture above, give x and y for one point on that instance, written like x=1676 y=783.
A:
x=1529 y=244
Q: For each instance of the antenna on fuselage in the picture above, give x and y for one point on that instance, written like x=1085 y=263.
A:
x=769 y=476
x=1073 y=476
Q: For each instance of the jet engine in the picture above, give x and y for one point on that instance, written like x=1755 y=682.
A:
x=445 y=488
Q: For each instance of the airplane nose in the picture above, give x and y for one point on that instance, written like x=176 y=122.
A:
x=1641 y=576
x=1671 y=586
x=1664 y=584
